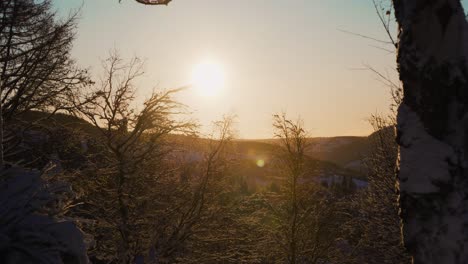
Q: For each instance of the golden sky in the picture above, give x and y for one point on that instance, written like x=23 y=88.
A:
x=275 y=55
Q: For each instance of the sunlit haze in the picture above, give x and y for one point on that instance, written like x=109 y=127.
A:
x=278 y=56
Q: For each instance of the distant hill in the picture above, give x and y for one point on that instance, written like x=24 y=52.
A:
x=346 y=151
x=329 y=156
x=61 y=119
x=257 y=163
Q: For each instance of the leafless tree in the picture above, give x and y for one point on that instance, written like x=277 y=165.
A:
x=293 y=141
x=374 y=225
x=301 y=210
x=36 y=71
x=133 y=145
x=375 y=220
x=199 y=208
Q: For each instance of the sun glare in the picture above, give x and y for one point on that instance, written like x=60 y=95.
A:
x=208 y=78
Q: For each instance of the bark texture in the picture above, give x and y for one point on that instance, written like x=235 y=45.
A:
x=432 y=129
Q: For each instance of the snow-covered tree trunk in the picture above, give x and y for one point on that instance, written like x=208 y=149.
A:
x=432 y=129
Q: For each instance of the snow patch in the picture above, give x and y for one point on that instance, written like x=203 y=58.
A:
x=28 y=233
x=423 y=158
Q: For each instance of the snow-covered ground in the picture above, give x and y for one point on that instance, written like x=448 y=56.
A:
x=339 y=179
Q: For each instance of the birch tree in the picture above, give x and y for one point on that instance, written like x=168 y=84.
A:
x=432 y=129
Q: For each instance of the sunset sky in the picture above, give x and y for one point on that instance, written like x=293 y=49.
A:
x=275 y=55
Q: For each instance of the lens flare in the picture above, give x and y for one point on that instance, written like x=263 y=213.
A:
x=260 y=163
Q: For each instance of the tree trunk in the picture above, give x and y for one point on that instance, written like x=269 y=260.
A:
x=125 y=256
x=2 y=158
x=432 y=129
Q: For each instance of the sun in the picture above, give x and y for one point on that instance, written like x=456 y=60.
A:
x=208 y=78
